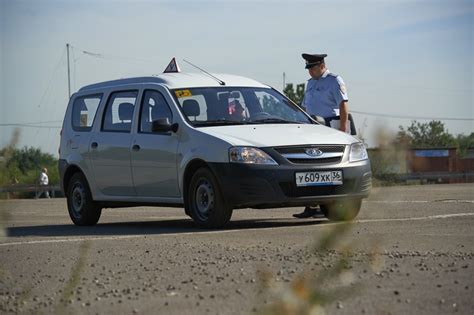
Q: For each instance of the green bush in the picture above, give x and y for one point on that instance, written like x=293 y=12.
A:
x=23 y=166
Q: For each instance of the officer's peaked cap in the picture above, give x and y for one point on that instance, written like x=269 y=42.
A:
x=313 y=59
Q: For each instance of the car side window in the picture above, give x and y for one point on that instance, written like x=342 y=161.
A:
x=119 y=111
x=154 y=107
x=84 y=110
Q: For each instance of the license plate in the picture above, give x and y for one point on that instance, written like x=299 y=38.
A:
x=319 y=178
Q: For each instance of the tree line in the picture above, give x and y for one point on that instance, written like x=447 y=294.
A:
x=23 y=166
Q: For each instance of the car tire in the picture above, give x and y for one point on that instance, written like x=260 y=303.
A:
x=342 y=210
x=205 y=202
x=82 y=209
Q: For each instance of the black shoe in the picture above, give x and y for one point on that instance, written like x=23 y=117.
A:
x=307 y=213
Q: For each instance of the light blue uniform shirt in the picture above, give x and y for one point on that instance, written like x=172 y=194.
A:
x=323 y=96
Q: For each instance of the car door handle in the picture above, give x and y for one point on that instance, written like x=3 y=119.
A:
x=94 y=145
x=136 y=147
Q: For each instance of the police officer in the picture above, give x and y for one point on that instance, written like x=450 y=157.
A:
x=325 y=96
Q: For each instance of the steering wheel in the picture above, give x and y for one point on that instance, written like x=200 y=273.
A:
x=261 y=115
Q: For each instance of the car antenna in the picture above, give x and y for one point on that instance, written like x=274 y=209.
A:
x=217 y=79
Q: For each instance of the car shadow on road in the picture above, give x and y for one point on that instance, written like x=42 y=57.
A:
x=174 y=226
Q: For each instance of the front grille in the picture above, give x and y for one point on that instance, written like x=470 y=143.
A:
x=330 y=154
x=301 y=149
x=291 y=190
x=316 y=161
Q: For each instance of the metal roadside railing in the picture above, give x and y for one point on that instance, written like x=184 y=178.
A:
x=439 y=177
x=465 y=176
x=37 y=189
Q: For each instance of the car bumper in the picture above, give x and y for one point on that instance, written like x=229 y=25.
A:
x=261 y=186
x=62 y=166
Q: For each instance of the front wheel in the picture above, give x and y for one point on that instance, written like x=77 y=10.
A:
x=82 y=209
x=205 y=202
x=342 y=210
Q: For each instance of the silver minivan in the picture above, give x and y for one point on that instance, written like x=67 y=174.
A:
x=209 y=146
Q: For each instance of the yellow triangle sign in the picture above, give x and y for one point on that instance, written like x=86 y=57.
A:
x=172 y=66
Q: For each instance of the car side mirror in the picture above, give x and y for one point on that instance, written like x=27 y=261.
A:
x=163 y=125
x=319 y=119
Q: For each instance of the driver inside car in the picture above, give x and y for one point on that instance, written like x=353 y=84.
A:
x=236 y=111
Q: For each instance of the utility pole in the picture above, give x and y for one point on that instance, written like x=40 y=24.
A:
x=68 y=72
x=283 y=81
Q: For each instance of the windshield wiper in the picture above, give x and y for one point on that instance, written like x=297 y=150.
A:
x=275 y=121
x=217 y=122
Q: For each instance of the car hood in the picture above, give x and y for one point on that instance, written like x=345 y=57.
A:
x=271 y=135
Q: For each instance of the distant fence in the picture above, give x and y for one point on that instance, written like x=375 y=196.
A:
x=439 y=177
x=37 y=189
x=464 y=176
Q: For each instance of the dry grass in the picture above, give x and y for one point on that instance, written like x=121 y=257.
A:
x=74 y=279
x=4 y=217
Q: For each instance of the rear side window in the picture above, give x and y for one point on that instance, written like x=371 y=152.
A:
x=119 y=111
x=84 y=110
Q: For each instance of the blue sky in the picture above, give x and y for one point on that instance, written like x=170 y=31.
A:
x=401 y=58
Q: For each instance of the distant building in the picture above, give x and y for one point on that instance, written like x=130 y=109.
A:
x=454 y=167
x=442 y=165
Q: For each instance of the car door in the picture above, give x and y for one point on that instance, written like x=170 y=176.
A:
x=110 y=147
x=154 y=160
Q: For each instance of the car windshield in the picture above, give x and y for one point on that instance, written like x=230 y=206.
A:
x=217 y=106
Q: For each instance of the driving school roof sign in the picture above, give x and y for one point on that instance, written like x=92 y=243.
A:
x=172 y=67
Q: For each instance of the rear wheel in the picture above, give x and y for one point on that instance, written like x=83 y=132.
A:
x=342 y=210
x=205 y=202
x=82 y=209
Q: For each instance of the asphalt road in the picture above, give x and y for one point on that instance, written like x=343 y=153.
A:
x=410 y=251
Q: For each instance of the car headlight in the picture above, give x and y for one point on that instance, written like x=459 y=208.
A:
x=250 y=155
x=358 y=152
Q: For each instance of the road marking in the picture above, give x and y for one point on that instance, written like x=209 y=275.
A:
x=419 y=201
x=121 y=237
x=79 y=239
x=454 y=200
x=430 y=217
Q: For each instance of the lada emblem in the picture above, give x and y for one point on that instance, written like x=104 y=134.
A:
x=313 y=152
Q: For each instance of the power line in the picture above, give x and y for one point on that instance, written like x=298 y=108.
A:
x=34 y=123
x=42 y=99
x=406 y=86
x=112 y=57
x=29 y=126
x=51 y=78
x=410 y=117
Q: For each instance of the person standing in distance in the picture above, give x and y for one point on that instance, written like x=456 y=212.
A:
x=43 y=181
x=325 y=96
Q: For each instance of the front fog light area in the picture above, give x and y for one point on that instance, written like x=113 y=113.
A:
x=358 y=152
x=250 y=155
